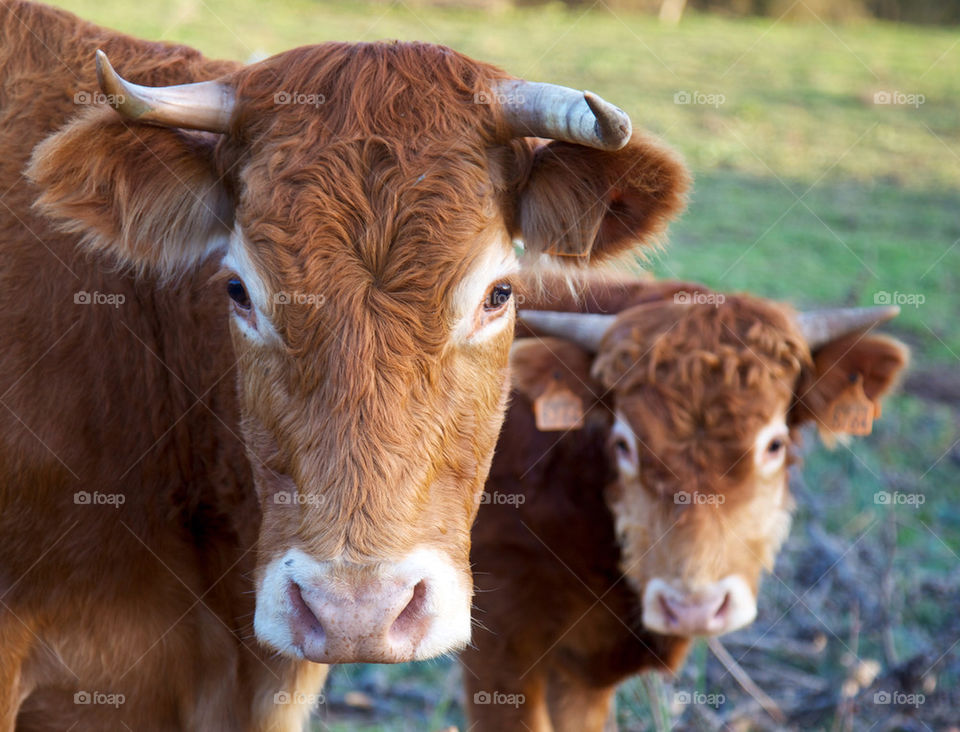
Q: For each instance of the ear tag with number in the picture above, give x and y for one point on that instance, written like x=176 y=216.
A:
x=558 y=408
x=852 y=412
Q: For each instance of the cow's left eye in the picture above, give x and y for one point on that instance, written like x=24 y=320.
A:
x=774 y=452
x=238 y=293
x=498 y=297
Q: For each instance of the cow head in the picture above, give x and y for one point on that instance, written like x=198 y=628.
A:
x=707 y=398
x=364 y=200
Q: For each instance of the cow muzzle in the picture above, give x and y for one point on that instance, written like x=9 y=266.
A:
x=712 y=609
x=343 y=612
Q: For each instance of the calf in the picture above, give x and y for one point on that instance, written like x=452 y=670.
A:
x=602 y=549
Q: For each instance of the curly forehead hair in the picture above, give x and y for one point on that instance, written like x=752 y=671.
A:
x=697 y=381
x=384 y=187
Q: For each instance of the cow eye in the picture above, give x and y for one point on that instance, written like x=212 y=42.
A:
x=771 y=445
x=238 y=293
x=498 y=297
x=624 y=449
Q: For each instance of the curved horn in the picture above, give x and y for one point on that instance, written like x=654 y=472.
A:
x=819 y=327
x=535 y=109
x=205 y=105
x=584 y=329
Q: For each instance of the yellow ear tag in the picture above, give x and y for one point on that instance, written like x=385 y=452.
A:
x=558 y=408
x=852 y=412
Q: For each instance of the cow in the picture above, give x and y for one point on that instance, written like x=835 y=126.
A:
x=256 y=325
x=605 y=544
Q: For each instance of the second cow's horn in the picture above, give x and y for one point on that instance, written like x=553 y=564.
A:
x=822 y=326
x=584 y=329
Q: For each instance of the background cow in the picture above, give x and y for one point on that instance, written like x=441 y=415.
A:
x=255 y=333
x=602 y=549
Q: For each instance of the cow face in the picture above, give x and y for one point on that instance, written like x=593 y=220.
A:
x=704 y=401
x=708 y=399
x=367 y=256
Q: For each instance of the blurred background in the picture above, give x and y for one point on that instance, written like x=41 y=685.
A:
x=824 y=136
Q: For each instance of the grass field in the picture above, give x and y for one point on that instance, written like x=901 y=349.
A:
x=808 y=188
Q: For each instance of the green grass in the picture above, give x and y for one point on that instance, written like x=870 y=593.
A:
x=806 y=190
x=841 y=243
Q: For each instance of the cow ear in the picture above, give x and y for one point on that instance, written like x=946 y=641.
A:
x=592 y=204
x=536 y=363
x=840 y=369
x=147 y=195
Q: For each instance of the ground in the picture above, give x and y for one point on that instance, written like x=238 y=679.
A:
x=826 y=162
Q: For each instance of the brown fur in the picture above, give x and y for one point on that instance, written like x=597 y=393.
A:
x=379 y=200
x=560 y=577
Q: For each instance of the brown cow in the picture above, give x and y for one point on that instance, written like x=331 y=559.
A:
x=255 y=335
x=602 y=550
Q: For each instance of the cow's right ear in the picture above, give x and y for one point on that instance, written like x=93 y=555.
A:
x=592 y=204
x=853 y=365
x=148 y=195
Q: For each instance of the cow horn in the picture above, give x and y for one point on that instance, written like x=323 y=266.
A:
x=205 y=105
x=535 y=109
x=584 y=329
x=819 y=327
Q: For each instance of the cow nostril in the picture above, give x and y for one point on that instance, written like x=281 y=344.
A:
x=302 y=611
x=412 y=615
x=667 y=610
x=724 y=606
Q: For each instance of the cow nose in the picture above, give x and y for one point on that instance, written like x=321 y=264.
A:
x=337 y=611
x=710 y=609
x=703 y=616
x=379 y=621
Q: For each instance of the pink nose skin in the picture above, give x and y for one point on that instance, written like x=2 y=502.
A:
x=712 y=609
x=695 y=617
x=383 y=621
